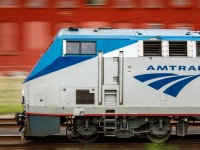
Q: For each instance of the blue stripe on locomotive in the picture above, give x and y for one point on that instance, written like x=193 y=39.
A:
x=52 y=60
x=160 y=82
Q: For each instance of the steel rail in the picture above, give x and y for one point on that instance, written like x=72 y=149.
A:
x=10 y=120
x=8 y=123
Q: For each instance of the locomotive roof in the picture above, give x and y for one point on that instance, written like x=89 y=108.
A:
x=128 y=32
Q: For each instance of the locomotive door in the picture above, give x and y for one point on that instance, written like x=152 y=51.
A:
x=110 y=79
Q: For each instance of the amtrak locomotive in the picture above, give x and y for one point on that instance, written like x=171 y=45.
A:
x=115 y=82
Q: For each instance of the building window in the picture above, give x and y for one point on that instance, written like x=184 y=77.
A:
x=95 y=24
x=124 y=4
x=182 y=26
x=36 y=35
x=83 y=48
x=152 y=3
x=84 y=97
x=154 y=25
x=36 y=3
x=66 y=4
x=181 y=3
x=9 y=39
x=9 y=3
x=124 y=25
x=198 y=4
x=96 y=2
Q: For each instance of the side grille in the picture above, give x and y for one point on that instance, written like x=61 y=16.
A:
x=177 y=48
x=152 y=48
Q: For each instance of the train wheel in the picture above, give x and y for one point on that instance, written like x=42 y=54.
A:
x=158 y=138
x=87 y=139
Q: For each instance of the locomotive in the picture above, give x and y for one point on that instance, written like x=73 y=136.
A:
x=114 y=82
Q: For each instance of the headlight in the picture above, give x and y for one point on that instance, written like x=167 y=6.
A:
x=22 y=92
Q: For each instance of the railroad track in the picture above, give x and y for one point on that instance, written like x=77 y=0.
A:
x=8 y=123
x=9 y=130
x=61 y=143
x=11 y=138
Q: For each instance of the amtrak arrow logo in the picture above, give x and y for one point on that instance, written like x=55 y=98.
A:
x=162 y=79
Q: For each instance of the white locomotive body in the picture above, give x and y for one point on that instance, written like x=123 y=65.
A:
x=116 y=82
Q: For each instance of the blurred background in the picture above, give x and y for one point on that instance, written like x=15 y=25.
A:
x=27 y=27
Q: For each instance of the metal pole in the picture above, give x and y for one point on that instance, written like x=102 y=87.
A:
x=121 y=77
x=100 y=76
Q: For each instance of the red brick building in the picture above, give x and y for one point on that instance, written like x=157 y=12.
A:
x=28 y=26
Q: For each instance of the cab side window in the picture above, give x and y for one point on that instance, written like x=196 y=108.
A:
x=79 y=48
x=73 y=48
x=88 y=48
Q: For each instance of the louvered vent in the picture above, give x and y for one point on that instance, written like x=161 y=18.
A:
x=198 y=48
x=152 y=48
x=177 y=48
